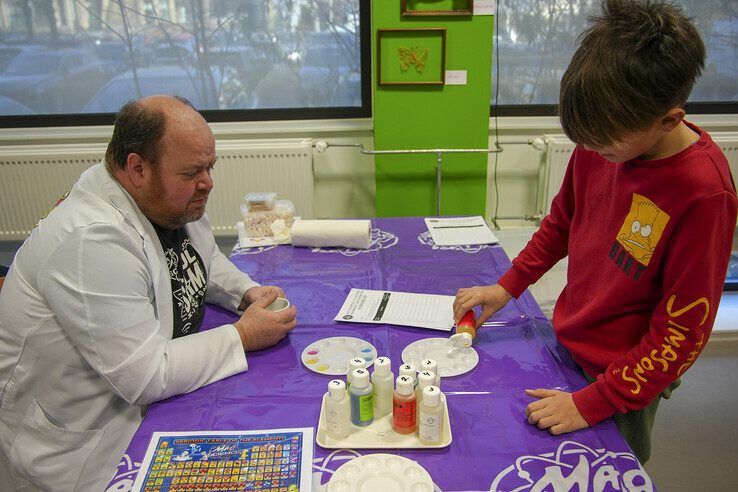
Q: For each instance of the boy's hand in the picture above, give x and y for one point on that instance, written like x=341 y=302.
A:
x=555 y=411
x=491 y=297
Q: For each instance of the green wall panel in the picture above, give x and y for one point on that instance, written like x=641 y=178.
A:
x=432 y=116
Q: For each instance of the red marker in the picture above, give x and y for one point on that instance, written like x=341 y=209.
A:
x=467 y=324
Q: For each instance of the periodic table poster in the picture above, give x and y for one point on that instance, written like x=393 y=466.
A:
x=274 y=460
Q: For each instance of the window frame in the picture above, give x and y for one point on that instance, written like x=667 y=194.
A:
x=233 y=115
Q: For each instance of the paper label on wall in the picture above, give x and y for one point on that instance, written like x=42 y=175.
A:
x=484 y=7
x=455 y=77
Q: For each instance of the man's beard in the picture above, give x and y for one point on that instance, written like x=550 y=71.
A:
x=176 y=221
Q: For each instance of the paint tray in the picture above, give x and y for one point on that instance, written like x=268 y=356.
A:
x=379 y=435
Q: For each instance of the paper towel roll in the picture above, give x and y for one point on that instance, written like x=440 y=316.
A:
x=332 y=233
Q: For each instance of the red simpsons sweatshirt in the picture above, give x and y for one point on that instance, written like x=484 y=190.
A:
x=648 y=245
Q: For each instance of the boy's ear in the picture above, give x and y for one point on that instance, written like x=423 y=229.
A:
x=136 y=169
x=671 y=119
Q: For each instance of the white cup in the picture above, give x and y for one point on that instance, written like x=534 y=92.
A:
x=279 y=304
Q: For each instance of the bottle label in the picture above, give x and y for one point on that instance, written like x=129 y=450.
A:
x=366 y=407
x=403 y=413
x=429 y=427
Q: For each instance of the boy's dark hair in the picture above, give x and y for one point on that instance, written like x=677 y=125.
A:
x=138 y=129
x=635 y=61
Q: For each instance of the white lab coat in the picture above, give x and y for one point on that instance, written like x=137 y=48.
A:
x=86 y=336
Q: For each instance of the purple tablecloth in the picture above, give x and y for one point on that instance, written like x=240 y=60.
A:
x=493 y=448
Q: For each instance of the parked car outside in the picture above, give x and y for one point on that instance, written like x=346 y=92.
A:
x=53 y=81
x=199 y=89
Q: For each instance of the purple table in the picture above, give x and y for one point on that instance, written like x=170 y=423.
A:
x=493 y=448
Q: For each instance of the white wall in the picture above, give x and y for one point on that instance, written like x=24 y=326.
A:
x=344 y=178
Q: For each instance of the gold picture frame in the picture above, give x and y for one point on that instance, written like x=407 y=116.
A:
x=411 y=8
x=415 y=56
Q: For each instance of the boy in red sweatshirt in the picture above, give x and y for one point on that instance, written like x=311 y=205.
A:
x=646 y=215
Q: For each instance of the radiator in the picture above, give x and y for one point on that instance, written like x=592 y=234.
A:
x=559 y=149
x=32 y=178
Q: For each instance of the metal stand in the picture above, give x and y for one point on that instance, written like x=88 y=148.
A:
x=321 y=146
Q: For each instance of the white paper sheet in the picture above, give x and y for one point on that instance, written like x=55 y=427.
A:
x=460 y=231
x=398 y=308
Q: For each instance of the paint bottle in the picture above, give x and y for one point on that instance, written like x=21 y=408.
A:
x=425 y=379
x=362 y=406
x=404 y=418
x=432 y=366
x=430 y=416
x=355 y=363
x=467 y=324
x=409 y=371
x=337 y=410
x=384 y=385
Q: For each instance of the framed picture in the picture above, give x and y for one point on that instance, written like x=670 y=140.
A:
x=436 y=7
x=411 y=56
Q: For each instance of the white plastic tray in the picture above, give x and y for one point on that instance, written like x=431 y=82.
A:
x=379 y=435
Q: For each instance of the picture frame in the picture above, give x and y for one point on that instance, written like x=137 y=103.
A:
x=414 y=56
x=410 y=8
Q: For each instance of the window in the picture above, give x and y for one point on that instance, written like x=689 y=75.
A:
x=234 y=59
x=536 y=40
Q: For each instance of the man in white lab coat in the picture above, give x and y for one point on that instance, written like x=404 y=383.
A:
x=101 y=310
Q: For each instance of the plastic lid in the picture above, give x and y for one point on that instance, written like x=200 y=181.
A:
x=360 y=378
x=408 y=370
x=405 y=385
x=382 y=366
x=426 y=378
x=429 y=365
x=337 y=389
x=431 y=396
x=357 y=363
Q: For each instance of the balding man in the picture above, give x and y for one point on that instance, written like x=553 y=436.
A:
x=101 y=310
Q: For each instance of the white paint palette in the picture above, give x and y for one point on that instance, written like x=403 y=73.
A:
x=452 y=359
x=331 y=356
x=381 y=471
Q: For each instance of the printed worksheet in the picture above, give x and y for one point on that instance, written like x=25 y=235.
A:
x=398 y=308
x=460 y=231
x=262 y=460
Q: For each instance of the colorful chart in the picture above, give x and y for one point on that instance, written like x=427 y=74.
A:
x=222 y=461
x=331 y=356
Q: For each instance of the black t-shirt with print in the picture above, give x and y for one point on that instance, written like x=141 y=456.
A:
x=189 y=280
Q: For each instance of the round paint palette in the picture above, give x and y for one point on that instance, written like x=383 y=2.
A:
x=385 y=472
x=452 y=360
x=331 y=355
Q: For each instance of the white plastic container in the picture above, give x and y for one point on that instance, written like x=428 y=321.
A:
x=337 y=410
x=425 y=379
x=431 y=416
x=384 y=385
x=355 y=363
x=409 y=371
x=432 y=366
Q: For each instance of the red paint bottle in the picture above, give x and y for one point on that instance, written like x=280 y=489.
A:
x=467 y=324
x=404 y=406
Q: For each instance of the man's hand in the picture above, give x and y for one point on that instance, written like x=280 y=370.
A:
x=491 y=297
x=255 y=293
x=555 y=411
x=260 y=328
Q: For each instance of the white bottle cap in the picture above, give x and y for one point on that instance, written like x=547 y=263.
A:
x=429 y=365
x=405 y=385
x=426 y=378
x=357 y=363
x=382 y=366
x=431 y=396
x=337 y=389
x=408 y=370
x=360 y=378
